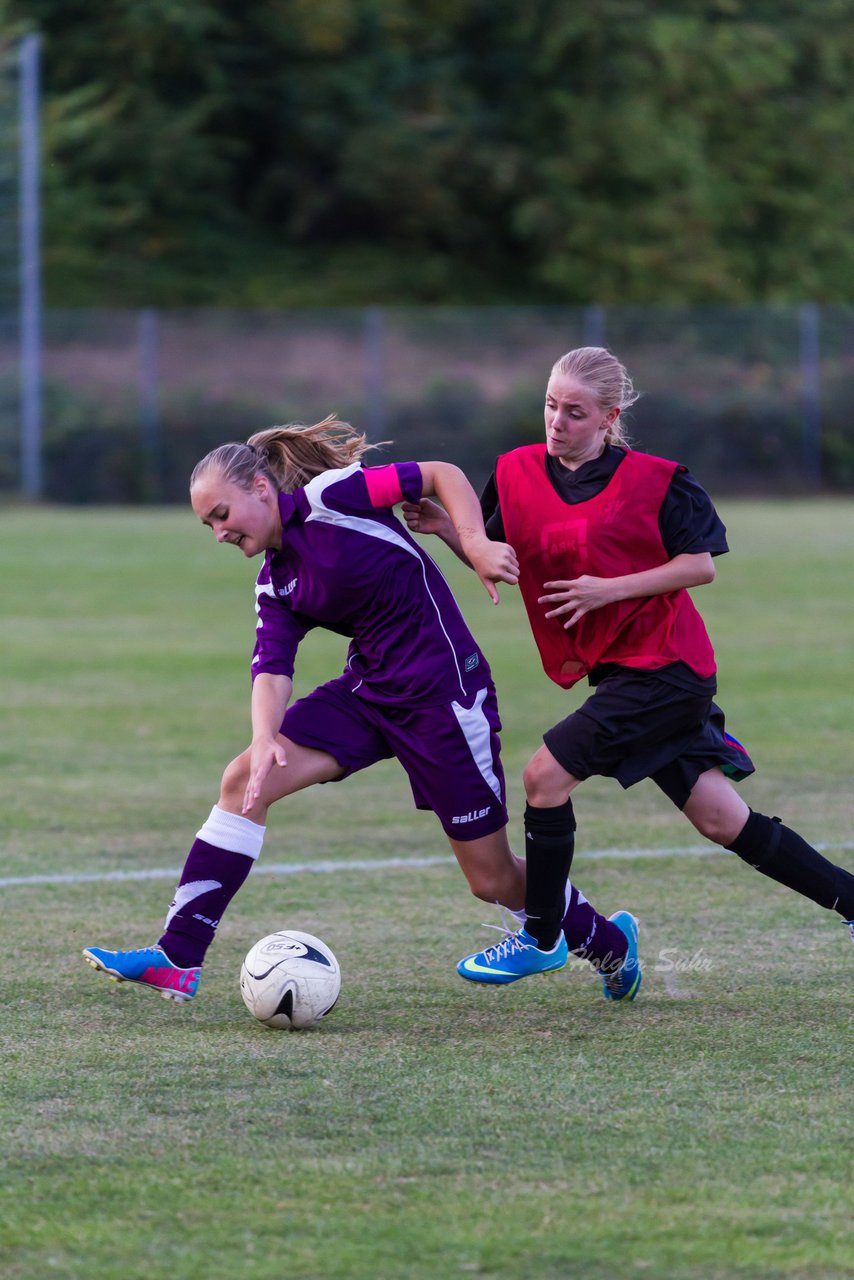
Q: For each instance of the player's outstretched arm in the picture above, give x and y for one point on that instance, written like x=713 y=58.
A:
x=493 y=562
x=582 y=595
x=270 y=697
x=429 y=517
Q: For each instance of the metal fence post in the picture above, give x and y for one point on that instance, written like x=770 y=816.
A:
x=593 y=326
x=375 y=372
x=30 y=271
x=149 y=414
x=810 y=366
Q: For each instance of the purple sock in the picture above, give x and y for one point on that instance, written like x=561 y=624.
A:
x=591 y=936
x=210 y=879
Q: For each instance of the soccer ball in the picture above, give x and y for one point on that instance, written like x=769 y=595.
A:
x=290 y=980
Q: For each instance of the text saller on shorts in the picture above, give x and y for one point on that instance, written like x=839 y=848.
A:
x=459 y=818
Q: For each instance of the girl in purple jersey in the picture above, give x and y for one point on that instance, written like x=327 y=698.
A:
x=415 y=687
x=608 y=540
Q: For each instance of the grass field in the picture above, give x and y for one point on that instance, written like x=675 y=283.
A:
x=430 y=1128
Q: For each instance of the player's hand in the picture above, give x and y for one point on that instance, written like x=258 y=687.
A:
x=426 y=516
x=577 y=597
x=264 y=755
x=492 y=562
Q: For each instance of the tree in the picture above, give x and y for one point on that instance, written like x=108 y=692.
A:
x=446 y=150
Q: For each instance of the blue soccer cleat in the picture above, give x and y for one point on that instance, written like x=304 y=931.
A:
x=625 y=983
x=849 y=925
x=517 y=956
x=150 y=967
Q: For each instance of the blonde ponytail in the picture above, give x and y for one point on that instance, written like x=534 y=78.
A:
x=289 y=455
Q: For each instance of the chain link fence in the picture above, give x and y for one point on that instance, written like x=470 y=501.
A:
x=752 y=399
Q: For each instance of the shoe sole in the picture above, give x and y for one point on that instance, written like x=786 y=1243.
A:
x=627 y=995
x=176 y=997
x=504 y=980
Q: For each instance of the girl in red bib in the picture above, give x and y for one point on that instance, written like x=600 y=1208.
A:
x=609 y=541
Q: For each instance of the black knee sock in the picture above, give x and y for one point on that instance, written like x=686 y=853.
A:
x=784 y=856
x=549 y=845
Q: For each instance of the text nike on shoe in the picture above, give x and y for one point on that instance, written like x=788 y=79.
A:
x=150 y=967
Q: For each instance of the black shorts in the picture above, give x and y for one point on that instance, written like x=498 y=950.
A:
x=637 y=725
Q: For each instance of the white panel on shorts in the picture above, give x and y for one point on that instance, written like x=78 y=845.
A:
x=478 y=735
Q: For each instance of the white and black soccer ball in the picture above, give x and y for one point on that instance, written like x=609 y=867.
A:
x=290 y=980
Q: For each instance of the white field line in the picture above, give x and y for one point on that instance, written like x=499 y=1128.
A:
x=376 y=864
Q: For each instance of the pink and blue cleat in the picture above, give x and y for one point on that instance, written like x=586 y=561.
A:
x=150 y=967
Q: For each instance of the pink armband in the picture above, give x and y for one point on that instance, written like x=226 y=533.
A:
x=383 y=485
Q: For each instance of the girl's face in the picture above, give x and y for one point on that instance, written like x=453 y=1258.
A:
x=575 y=423
x=247 y=518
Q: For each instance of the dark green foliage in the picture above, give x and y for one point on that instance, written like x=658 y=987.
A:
x=292 y=153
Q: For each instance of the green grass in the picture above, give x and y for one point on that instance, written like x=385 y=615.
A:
x=430 y=1128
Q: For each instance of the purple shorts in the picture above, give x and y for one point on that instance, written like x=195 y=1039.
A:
x=451 y=753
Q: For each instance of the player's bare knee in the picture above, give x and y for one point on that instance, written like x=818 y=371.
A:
x=545 y=782
x=715 y=826
x=234 y=779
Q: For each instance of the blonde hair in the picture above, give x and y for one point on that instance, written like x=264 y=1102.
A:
x=608 y=380
x=289 y=456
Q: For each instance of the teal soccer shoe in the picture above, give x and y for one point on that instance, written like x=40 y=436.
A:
x=516 y=956
x=625 y=983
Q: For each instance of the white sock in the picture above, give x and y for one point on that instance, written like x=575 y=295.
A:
x=233 y=833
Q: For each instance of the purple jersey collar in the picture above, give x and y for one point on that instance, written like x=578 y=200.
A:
x=287 y=509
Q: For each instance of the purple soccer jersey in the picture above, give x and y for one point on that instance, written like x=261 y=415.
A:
x=349 y=565
x=416 y=685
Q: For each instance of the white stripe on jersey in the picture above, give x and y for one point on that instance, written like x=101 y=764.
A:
x=262 y=589
x=362 y=524
x=475 y=727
